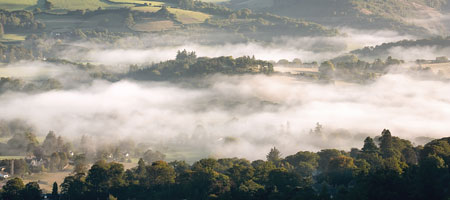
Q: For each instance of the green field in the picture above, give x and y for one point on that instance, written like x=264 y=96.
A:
x=215 y=1
x=152 y=3
x=184 y=16
x=12 y=38
x=189 y=17
x=84 y=4
x=11 y=157
x=18 y=4
x=63 y=23
x=4 y=139
x=150 y=26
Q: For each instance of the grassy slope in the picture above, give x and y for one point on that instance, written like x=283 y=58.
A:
x=84 y=4
x=153 y=3
x=184 y=16
x=17 y=4
x=12 y=38
x=387 y=14
x=11 y=157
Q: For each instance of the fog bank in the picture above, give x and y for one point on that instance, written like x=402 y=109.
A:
x=238 y=116
x=155 y=48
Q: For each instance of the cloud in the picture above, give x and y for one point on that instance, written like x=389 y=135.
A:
x=240 y=116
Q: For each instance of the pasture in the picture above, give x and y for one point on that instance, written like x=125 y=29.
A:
x=12 y=38
x=184 y=16
x=18 y=4
x=60 y=5
x=154 y=25
x=46 y=179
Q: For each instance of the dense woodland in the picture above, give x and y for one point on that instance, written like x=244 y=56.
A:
x=381 y=50
x=386 y=167
x=188 y=65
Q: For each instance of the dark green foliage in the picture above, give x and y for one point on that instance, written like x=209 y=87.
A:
x=55 y=189
x=382 y=49
x=187 y=65
x=369 y=146
x=274 y=155
x=32 y=191
x=12 y=190
x=331 y=174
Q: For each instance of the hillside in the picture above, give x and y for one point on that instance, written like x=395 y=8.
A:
x=112 y=19
x=418 y=17
x=382 y=50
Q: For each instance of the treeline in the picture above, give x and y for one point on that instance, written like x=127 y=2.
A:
x=19 y=85
x=20 y=20
x=351 y=68
x=13 y=53
x=381 y=50
x=385 y=168
x=52 y=155
x=188 y=65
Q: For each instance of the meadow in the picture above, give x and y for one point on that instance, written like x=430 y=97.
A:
x=18 y=4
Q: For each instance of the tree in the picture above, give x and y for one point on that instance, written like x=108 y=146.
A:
x=386 y=146
x=152 y=156
x=160 y=173
x=340 y=170
x=304 y=162
x=55 y=189
x=369 y=146
x=240 y=174
x=32 y=191
x=80 y=164
x=283 y=181
x=74 y=187
x=434 y=178
x=2 y=31
x=97 y=180
x=325 y=156
x=50 y=143
x=274 y=155
x=48 y=5
x=12 y=190
x=326 y=70
x=54 y=161
x=129 y=21
x=63 y=160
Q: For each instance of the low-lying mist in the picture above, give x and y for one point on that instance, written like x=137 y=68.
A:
x=237 y=116
x=156 y=48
